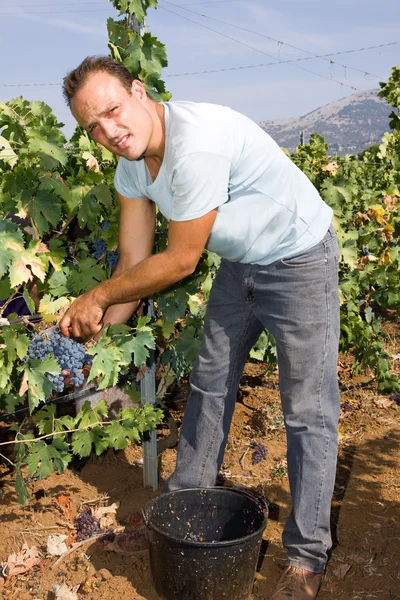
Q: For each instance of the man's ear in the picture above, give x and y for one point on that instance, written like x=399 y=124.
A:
x=138 y=90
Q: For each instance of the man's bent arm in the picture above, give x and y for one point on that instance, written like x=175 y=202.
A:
x=186 y=242
x=136 y=239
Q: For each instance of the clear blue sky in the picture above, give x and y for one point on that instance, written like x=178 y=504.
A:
x=41 y=40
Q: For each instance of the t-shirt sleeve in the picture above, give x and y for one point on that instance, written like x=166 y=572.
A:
x=126 y=180
x=200 y=183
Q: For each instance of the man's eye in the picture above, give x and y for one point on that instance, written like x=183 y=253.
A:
x=113 y=109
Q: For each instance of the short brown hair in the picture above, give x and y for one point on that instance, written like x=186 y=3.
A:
x=75 y=79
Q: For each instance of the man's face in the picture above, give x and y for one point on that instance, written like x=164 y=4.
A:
x=116 y=119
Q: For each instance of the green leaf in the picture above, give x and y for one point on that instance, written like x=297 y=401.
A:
x=50 y=307
x=5 y=287
x=17 y=343
x=86 y=276
x=117 y=435
x=39 y=387
x=105 y=366
x=51 y=155
x=11 y=246
x=20 y=487
x=90 y=210
x=25 y=266
x=7 y=154
x=40 y=459
x=44 y=209
x=188 y=344
x=82 y=443
x=88 y=415
x=28 y=300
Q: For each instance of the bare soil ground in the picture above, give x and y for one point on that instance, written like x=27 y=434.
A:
x=364 y=562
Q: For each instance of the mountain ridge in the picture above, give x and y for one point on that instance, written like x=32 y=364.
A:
x=349 y=125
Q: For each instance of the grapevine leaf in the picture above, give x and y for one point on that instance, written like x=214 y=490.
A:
x=28 y=300
x=39 y=387
x=138 y=347
x=7 y=153
x=49 y=307
x=87 y=275
x=106 y=366
x=20 y=487
x=44 y=209
x=51 y=154
x=44 y=419
x=10 y=248
x=12 y=401
x=63 y=457
x=56 y=185
x=82 y=443
x=5 y=287
x=100 y=440
x=117 y=435
x=57 y=253
x=58 y=283
x=40 y=459
x=88 y=415
x=26 y=265
x=17 y=343
x=188 y=344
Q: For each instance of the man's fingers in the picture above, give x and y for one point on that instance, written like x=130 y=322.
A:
x=65 y=325
x=84 y=331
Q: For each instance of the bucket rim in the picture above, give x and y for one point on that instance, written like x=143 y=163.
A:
x=200 y=544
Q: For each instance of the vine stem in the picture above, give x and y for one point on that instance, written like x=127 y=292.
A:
x=43 y=437
x=7 y=459
x=79 y=544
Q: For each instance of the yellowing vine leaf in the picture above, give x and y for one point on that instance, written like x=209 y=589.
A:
x=25 y=266
x=7 y=153
x=49 y=307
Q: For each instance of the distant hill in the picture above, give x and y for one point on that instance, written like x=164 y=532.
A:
x=349 y=125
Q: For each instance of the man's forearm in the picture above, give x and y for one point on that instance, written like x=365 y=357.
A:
x=149 y=276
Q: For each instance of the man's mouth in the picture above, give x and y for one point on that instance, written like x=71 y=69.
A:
x=122 y=142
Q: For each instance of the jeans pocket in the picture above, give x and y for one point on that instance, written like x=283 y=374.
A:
x=309 y=258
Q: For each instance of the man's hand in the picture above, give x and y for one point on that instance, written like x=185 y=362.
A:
x=84 y=319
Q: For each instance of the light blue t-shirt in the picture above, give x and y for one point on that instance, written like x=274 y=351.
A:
x=218 y=158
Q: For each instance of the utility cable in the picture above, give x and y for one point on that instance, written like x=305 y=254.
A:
x=280 y=42
x=352 y=87
x=229 y=68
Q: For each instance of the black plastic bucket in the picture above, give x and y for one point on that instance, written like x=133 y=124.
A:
x=204 y=543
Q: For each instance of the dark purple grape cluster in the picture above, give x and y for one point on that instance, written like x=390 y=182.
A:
x=365 y=252
x=99 y=248
x=112 y=258
x=259 y=452
x=86 y=525
x=105 y=225
x=396 y=398
x=69 y=354
x=57 y=381
x=108 y=537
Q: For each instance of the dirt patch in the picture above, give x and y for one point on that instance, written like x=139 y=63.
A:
x=365 y=513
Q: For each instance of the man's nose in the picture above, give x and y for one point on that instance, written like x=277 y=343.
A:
x=110 y=130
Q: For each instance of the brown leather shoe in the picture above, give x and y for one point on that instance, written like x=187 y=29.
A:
x=297 y=584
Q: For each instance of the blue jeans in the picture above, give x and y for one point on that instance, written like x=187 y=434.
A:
x=297 y=300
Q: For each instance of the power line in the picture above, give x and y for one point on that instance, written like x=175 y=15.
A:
x=260 y=51
x=102 y=2
x=59 y=12
x=280 y=42
x=228 y=68
x=275 y=62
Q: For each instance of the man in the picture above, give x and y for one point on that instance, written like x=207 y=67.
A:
x=224 y=184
